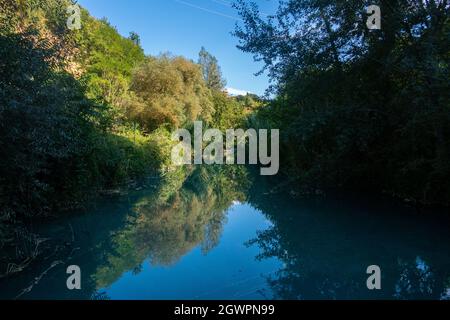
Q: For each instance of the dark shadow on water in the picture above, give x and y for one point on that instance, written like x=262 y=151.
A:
x=327 y=244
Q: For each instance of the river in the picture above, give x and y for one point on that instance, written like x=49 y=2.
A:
x=225 y=234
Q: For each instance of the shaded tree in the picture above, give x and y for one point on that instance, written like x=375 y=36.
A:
x=357 y=106
x=135 y=38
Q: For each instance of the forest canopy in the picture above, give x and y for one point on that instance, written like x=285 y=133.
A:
x=358 y=107
x=171 y=90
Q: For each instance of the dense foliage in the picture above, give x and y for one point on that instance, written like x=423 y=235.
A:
x=171 y=91
x=85 y=111
x=357 y=107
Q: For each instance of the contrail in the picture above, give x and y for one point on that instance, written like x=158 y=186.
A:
x=228 y=4
x=208 y=10
x=225 y=3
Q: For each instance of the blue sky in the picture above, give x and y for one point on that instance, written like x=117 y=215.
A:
x=182 y=27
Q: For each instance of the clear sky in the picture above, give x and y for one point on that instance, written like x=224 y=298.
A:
x=182 y=27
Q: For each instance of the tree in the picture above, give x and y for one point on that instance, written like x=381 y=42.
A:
x=211 y=70
x=361 y=107
x=135 y=38
x=171 y=91
x=228 y=112
x=43 y=116
x=108 y=60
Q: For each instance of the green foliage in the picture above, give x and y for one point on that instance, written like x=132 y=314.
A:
x=20 y=14
x=228 y=113
x=171 y=92
x=85 y=110
x=135 y=38
x=8 y=16
x=118 y=157
x=60 y=134
x=357 y=107
x=108 y=59
x=42 y=122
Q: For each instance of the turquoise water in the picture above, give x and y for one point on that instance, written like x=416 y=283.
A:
x=203 y=238
x=230 y=270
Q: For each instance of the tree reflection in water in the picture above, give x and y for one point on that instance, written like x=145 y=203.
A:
x=169 y=223
x=323 y=246
x=326 y=247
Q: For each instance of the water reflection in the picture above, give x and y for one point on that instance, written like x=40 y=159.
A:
x=221 y=233
x=167 y=224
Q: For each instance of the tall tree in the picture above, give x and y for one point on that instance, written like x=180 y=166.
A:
x=170 y=90
x=135 y=38
x=211 y=70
